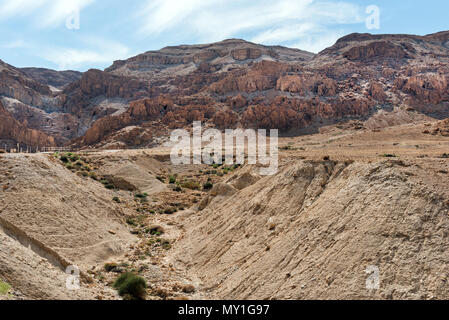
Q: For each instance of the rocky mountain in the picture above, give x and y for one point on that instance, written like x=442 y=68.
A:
x=12 y=132
x=56 y=79
x=230 y=84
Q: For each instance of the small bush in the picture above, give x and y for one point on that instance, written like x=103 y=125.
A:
x=188 y=289
x=388 y=155
x=64 y=159
x=4 y=288
x=166 y=245
x=73 y=157
x=109 y=267
x=156 y=231
x=131 y=222
x=131 y=286
x=172 y=179
x=170 y=210
x=192 y=185
x=208 y=186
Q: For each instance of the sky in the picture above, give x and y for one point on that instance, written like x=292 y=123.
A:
x=85 y=34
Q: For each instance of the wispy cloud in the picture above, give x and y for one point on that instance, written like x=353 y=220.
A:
x=293 y=21
x=93 y=52
x=45 y=13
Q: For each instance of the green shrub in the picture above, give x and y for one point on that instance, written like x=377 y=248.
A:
x=64 y=159
x=131 y=286
x=4 y=288
x=131 y=222
x=192 y=185
x=109 y=267
x=73 y=157
x=170 y=210
x=172 y=179
x=208 y=185
x=141 y=195
x=166 y=245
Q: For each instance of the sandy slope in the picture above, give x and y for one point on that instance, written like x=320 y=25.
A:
x=63 y=219
x=310 y=231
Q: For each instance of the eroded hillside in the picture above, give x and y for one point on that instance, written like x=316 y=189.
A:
x=342 y=200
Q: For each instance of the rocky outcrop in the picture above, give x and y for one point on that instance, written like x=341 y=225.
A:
x=425 y=88
x=234 y=83
x=307 y=84
x=15 y=132
x=14 y=84
x=96 y=83
x=259 y=77
x=56 y=79
x=376 y=50
x=246 y=53
x=180 y=60
x=138 y=112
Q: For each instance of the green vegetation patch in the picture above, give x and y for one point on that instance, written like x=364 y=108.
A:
x=131 y=286
x=4 y=288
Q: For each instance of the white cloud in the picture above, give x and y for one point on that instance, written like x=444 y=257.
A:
x=316 y=43
x=46 y=13
x=97 y=51
x=269 y=22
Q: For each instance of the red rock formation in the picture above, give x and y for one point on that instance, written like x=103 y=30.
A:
x=11 y=129
x=138 y=112
x=236 y=83
x=261 y=76
x=225 y=119
x=96 y=83
x=425 y=88
x=376 y=91
x=307 y=83
x=378 y=49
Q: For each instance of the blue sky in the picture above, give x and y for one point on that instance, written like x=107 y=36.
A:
x=45 y=33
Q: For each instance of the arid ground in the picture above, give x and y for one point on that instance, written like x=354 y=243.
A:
x=352 y=196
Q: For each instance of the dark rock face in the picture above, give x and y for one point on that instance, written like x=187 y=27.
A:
x=230 y=84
